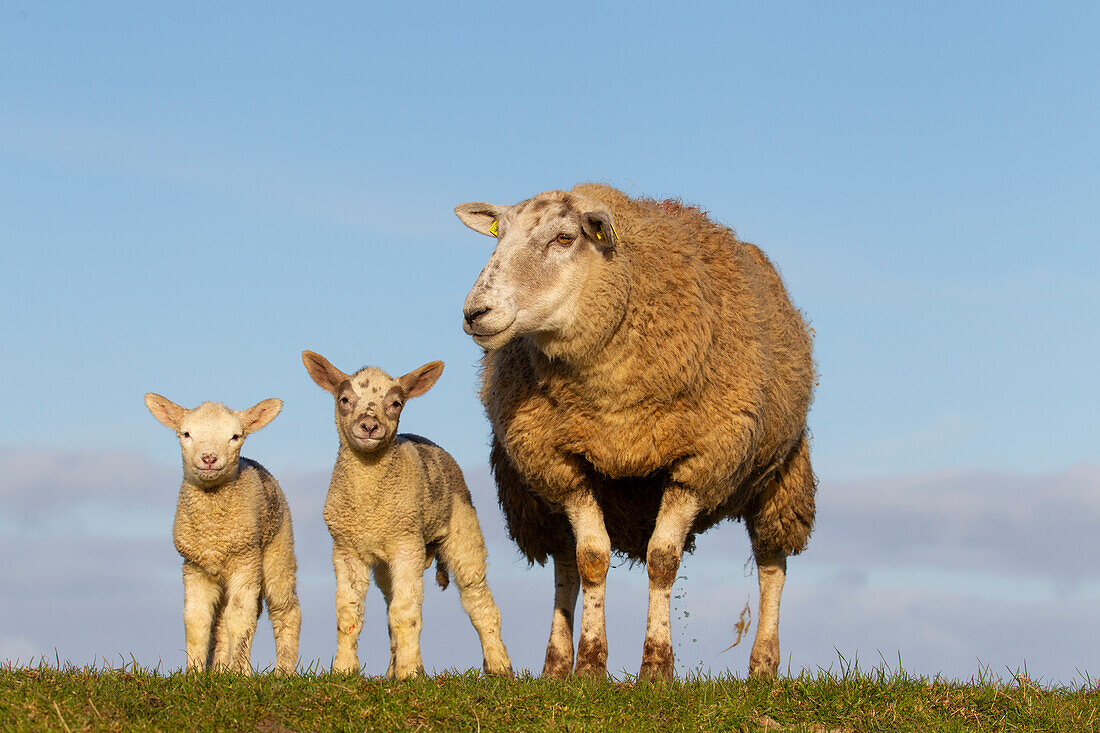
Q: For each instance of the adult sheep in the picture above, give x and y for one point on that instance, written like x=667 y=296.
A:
x=646 y=377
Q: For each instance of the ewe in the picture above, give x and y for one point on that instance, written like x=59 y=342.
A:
x=233 y=530
x=646 y=376
x=395 y=502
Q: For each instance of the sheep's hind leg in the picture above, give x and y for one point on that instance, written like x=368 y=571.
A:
x=779 y=525
x=593 y=560
x=764 y=658
x=559 y=650
x=666 y=548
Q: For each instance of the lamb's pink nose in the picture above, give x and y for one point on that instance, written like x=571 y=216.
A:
x=209 y=459
x=369 y=428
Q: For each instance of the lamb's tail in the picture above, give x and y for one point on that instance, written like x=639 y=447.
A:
x=442 y=574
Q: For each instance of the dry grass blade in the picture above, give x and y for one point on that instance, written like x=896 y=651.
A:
x=742 y=625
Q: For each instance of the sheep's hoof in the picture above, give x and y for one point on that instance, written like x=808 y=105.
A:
x=405 y=674
x=764 y=659
x=658 y=662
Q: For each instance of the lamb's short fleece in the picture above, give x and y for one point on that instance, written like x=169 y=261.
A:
x=395 y=502
x=233 y=530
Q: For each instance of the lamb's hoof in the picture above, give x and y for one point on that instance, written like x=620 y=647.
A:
x=404 y=674
x=505 y=671
x=559 y=662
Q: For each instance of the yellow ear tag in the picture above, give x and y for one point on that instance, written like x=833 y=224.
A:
x=493 y=227
x=599 y=234
x=613 y=232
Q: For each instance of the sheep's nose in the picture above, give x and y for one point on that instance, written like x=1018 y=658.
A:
x=474 y=313
x=369 y=427
x=209 y=459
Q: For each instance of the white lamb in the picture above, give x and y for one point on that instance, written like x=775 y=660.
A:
x=233 y=530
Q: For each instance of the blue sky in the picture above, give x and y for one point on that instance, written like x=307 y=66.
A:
x=191 y=195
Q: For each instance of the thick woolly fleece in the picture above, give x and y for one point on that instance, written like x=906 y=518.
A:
x=687 y=364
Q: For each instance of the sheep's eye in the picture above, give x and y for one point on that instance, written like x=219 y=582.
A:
x=235 y=437
x=344 y=400
x=395 y=404
x=187 y=435
x=564 y=239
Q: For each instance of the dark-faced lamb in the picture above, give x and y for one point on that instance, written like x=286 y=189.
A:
x=394 y=503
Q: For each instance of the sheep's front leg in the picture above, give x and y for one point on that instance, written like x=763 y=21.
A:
x=666 y=548
x=559 y=650
x=352 y=581
x=407 y=574
x=242 y=609
x=593 y=560
x=200 y=597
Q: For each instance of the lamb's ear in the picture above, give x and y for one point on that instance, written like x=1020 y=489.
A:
x=421 y=379
x=481 y=217
x=167 y=412
x=324 y=374
x=259 y=414
x=598 y=227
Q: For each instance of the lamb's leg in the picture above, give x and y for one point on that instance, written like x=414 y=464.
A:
x=219 y=643
x=352 y=581
x=464 y=553
x=280 y=592
x=381 y=573
x=559 y=650
x=407 y=572
x=200 y=596
x=593 y=560
x=666 y=547
x=242 y=609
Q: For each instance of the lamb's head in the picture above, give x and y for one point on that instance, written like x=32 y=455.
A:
x=211 y=435
x=547 y=248
x=369 y=402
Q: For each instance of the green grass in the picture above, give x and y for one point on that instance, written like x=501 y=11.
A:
x=72 y=699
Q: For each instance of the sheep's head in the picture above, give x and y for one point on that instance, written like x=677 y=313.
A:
x=369 y=402
x=547 y=247
x=211 y=435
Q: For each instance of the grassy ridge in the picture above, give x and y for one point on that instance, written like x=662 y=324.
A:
x=72 y=699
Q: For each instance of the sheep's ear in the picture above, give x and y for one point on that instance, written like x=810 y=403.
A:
x=421 y=379
x=324 y=374
x=598 y=227
x=481 y=217
x=167 y=412
x=259 y=415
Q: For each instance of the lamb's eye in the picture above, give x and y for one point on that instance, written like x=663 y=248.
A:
x=187 y=435
x=344 y=400
x=564 y=239
x=395 y=404
x=235 y=437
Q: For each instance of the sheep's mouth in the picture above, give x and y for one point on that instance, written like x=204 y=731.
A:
x=204 y=471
